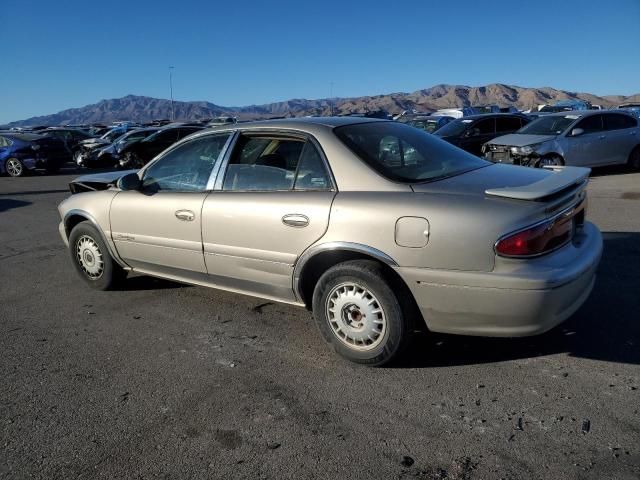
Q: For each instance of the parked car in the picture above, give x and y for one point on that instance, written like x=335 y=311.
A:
x=86 y=147
x=71 y=137
x=486 y=108
x=22 y=152
x=315 y=213
x=428 y=123
x=109 y=155
x=632 y=108
x=455 y=112
x=470 y=133
x=587 y=138
x=566 y=106
x=137 y=154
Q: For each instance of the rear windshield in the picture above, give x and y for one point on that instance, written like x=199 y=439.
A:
x=406 y=154
x=549 y=125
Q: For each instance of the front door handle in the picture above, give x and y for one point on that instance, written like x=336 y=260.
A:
x=295 y=220
x=186 y=215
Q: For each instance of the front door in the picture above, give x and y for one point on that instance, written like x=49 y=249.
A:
x=590 y=147
x=272 y=204
x=477 y=135
x=158 y=229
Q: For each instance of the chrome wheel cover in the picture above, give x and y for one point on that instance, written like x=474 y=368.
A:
x=14 y=167
x=550 y=162
x=355 y=316
x=89 y=257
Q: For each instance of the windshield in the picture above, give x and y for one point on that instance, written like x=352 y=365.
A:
x=405 y=154
x=454 y=128
x=429 y=126
x=549 y=125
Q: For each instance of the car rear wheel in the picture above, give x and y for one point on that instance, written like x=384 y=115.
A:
x=14 y=167
x=91 y=258
x=550 y=161
x=634 y=159
x=358 y=312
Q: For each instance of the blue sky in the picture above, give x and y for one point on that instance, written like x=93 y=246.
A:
x=63 y=54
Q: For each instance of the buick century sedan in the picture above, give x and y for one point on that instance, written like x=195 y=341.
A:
x=377 y=227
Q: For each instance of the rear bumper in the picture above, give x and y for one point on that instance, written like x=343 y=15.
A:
x=519 y=298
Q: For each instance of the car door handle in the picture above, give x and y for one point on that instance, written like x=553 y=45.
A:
x=295 y=220
x=186 y=215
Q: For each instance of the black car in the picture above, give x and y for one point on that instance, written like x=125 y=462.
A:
x=108 y=155
x=470 y=133
x=21 y=152
x=71 y=137
x=140 y=153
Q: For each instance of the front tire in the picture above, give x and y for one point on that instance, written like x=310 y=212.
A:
x=91 y=258
x=634 y=159
x=357 y=311
x=14 y=167
x=550 y=161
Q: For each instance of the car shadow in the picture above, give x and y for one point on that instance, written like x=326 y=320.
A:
x=10 y=203
x=605 y=328
x=143 y=282
x=33 y=192
x=610 y=171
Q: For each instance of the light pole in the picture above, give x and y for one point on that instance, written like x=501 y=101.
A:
x=171 y=91
x=331 y=99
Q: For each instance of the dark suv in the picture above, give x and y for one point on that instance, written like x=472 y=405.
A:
x=140 y=153
x=470 y=133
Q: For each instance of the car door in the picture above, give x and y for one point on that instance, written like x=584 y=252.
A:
x=622 y=136
x=588 y=148
x=477 y=135
x=271 y=202
x=158 y=228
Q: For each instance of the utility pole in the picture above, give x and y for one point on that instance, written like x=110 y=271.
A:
x=331 y=98
x=171 y=91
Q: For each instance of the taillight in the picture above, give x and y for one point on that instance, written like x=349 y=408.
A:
x=543 y=237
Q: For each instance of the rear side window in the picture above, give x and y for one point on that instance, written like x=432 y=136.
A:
x=616 y=121
x=262 y=163
x=591 y=124
x=508 y=124
x=4 y=142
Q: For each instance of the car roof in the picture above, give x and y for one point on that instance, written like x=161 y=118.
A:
x=479 y=116
x=307 y=124
x=584 y=113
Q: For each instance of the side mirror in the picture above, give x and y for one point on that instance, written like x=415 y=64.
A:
x=577 y=131
x=472 y=132
x=130 y=181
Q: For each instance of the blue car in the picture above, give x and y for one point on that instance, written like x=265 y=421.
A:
x=22 y=152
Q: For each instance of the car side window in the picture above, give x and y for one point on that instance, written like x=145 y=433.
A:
x=508 y=124
x=616 y=121
x=186 y=168
x=261 y=163
x=312 y=173
x=485 y=127
x=3 y=142
x=591 y=124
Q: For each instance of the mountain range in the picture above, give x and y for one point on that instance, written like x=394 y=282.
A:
x=144 y=109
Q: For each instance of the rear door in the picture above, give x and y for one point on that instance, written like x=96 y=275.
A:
x=158 y=229
x=272 y=201
x=622 y=136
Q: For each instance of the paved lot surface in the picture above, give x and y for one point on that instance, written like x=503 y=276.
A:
x=172 y=381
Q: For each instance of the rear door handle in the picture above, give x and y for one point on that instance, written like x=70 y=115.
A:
x=186 y=215
x=295 y=220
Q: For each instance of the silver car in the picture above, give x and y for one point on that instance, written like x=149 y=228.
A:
x=590 y=138
x=376 y=226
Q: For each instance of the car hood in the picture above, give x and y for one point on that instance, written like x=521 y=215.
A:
x=476 y=182
x=520 y=139
x=97 y=181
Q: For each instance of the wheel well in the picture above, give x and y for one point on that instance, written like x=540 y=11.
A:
x=553 y=154
x=72 y=221
x=323 y=261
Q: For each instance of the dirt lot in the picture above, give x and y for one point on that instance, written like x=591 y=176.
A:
x=173 y=381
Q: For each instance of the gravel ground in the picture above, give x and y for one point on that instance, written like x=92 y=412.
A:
x=173 y=381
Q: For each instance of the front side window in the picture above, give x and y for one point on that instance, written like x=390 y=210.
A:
x=186 y=168
x=405 y=154
x=548 y=125
x=508 y=124
x=591 y=124
x=484 y=127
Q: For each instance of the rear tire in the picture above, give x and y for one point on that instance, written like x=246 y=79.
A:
x=634 y=159
x=14 y=167
x=357 y=311
x=91 y=258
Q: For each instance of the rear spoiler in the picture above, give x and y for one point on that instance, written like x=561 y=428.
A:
x=563 y=178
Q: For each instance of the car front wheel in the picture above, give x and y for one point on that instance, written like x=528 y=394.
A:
x=91 y=258
x=634 y=158
x=14 y=167
x=358 y=312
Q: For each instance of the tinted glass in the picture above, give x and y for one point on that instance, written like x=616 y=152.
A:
x=508 y=124
x=549 y=125
x=614 y=121
x=3 y=142
x=426 y=125
x=312 y=173
x=591 y=124
x=263 y=164
x=406 y=154
x=187 y=167
x=485 y=127
x=454 y=128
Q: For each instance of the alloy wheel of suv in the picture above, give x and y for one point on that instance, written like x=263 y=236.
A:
x=14 y=167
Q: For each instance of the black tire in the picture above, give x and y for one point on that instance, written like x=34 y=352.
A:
x=131 y=160
x=390 y=298
x=110 y=274
x=634 y=159
x=14 y=167
x=551 y=160
x=52 y=169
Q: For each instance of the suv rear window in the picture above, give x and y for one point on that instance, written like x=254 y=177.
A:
x=405 y=154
